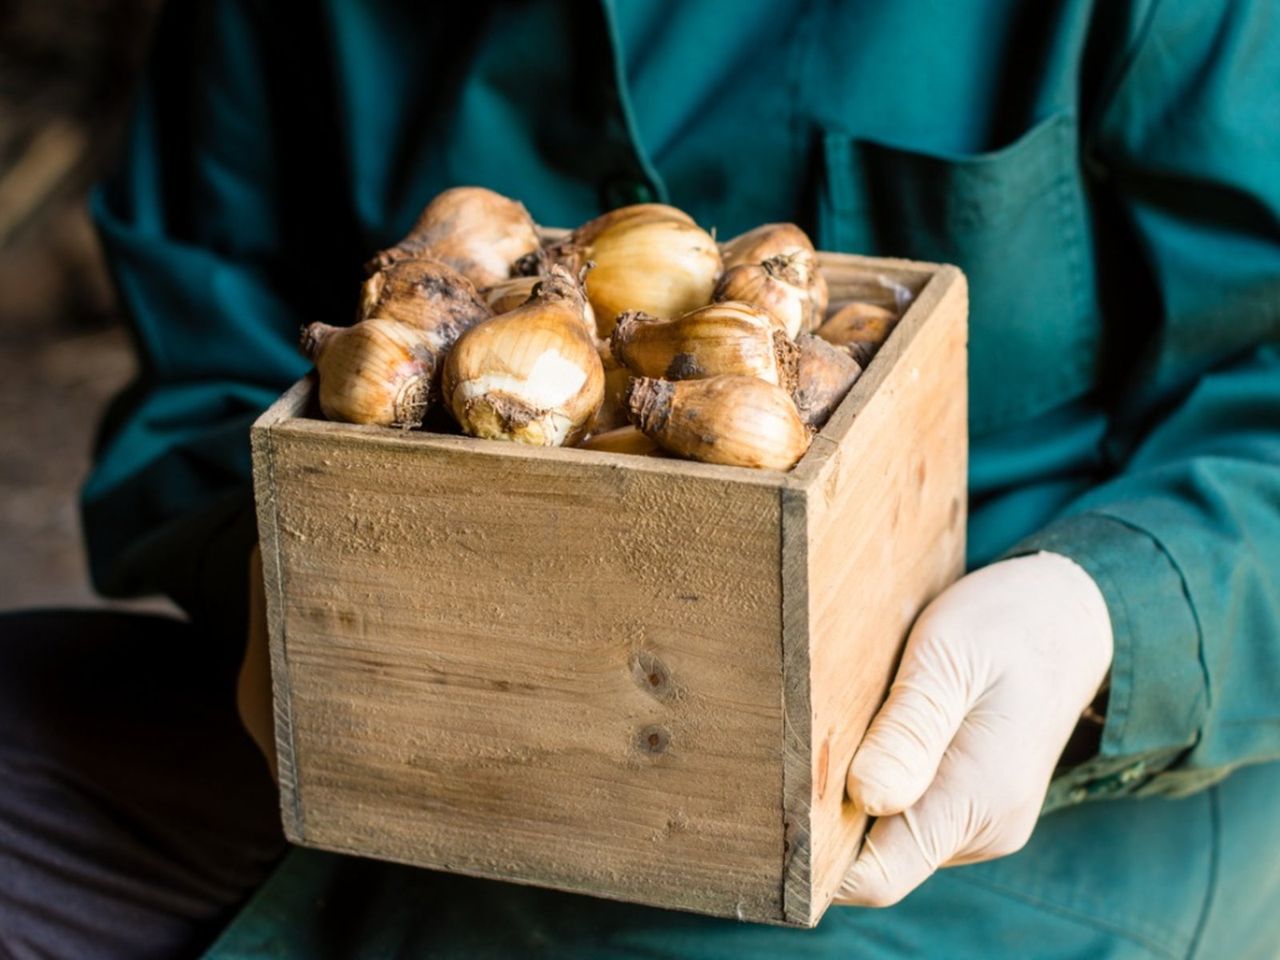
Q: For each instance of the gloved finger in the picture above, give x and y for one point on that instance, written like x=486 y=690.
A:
x=898 y=854
x=900 y=754
x=974 y=811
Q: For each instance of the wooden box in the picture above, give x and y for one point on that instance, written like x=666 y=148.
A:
x=630 y=677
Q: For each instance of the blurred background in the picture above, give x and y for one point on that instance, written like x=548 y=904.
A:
x=67 y=73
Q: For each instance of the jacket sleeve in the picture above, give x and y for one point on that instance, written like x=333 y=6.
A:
x=198 y=234
x=1184 y=538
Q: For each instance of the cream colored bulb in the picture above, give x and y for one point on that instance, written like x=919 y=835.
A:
x=379 y=371
x=532 y=375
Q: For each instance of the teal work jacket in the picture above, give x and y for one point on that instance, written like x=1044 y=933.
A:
x=1107 y=174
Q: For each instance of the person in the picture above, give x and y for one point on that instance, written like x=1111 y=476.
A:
x=1078 y=756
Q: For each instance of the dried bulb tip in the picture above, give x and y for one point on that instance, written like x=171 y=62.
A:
x=788 y=355
x=649 y=402
x=790 y=267
x=313 y=338
x=559 y=284
x=531 y=264
x=411 y=402
x=625 y=326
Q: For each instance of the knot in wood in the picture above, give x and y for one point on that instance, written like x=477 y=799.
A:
x=652 y=675
x=653 y=740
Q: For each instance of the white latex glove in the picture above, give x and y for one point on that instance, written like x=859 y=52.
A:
x=994 y=678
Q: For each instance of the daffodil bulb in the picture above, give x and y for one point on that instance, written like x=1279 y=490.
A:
x=532 y=375
x=379 y=371
x=735 y=420
x=478 y=232
x=722 y=338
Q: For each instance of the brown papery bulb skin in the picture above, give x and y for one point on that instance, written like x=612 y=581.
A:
x=826 y=374
x=379 y=371
x=476 y=231
x=734 y=420
x=634 y=214
x=722 y=338
x=624 y=439
x=665 y=267
x=532 y=375
x=860 y=328
x=613 y=409
x=572 y=251
x=819 y=296
x=768 y=240
x=427 y=294
x=780 y=286
x=783 y=240
x=506 y=296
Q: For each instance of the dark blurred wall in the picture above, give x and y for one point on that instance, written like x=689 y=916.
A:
x=67 y=71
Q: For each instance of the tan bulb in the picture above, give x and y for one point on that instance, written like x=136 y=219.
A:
x=860 y=328
x=722 y=338
x=826 y=374
x=532 y=375
x=780 y=286
x=626 y=439
x=572 y=251
x=613 y=409
x=735 y=420
x=772 y=240
x=647 y=257
x=505 y=296
x=632 y=215
x=819 y=295
x=476 y=231
x=379 y=371
x=768 y=240
x=427 y=294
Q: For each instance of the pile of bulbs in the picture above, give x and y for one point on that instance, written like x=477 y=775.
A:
x=635 y=333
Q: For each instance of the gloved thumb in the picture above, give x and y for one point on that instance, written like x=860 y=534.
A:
x=900 y=754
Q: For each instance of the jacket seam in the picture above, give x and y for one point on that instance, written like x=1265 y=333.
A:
x=1210 y=896
x=1201 y=658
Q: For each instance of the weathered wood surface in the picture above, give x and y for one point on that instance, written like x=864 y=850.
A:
x=522 y=667
x=570 y=668
x=874 y=528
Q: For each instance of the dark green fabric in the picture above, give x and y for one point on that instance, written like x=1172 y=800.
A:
x=1128 y=879
x=1104 y=172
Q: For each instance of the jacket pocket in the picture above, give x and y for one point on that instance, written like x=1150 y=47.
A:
x=1015 y=221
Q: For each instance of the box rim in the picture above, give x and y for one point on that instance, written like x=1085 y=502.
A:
x=284 y=413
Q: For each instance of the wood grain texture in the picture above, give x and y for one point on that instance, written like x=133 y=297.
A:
x=266 y=495
x=884 y=533
x=523 y=667
x=632 y=677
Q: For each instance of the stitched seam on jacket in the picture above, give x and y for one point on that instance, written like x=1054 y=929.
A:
x=1186 y=593
x=1215 y=832
x=1122 y=711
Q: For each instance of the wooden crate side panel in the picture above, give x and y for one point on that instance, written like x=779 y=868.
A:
x=849 y=277
x=562 y=673
x=886 y=533
x=797 y=719
x=265 y=496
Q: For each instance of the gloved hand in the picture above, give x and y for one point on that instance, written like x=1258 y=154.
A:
x=995 y=675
